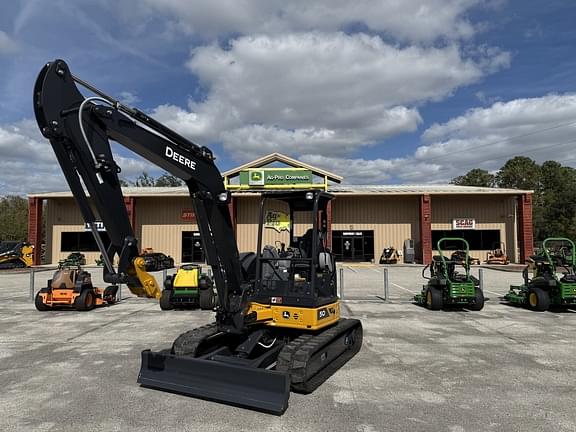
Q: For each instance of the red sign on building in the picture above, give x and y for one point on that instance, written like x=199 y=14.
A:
x=188 y=215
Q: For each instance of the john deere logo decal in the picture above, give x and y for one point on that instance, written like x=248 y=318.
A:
x=256 y=178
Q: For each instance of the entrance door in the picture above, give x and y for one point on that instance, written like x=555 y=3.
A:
x=353 y=245
x=192 y=248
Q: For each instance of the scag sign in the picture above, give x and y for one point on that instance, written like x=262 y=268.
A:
x=463 y=224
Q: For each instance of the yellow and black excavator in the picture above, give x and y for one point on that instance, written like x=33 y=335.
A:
x=277 y=326
x=14 y=254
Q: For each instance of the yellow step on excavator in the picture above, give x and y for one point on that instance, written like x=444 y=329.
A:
x=277 y=324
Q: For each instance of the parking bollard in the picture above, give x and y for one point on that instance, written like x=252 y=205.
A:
x=386 y=285
x=32 y=283
x=341 y=284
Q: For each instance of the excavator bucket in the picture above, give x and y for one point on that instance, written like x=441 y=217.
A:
x=258 y=389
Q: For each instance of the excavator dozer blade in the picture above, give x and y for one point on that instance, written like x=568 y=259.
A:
x=258 y=389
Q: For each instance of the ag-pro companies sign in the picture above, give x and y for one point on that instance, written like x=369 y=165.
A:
x=275 y=176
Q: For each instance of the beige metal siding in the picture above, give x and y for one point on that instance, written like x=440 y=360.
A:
x=490 y=212
x=159 y=224
x=393 y=219
x=63 y=215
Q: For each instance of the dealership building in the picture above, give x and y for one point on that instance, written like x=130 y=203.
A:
x=362 y=219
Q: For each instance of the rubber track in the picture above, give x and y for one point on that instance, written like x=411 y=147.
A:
x=296 y=356
x=187 y=343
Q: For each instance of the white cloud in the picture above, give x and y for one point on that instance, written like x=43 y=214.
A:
x=542 y=128
x=128 y=98
x=406 y=20
x=331 y=91
x=7 y=44
x=28 y=163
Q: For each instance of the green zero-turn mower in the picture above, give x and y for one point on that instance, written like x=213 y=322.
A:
x=546 y=289
x=189 y=288
x=447 y=287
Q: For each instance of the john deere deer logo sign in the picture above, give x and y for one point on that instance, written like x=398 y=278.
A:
x=256 y=178
x=277 y=220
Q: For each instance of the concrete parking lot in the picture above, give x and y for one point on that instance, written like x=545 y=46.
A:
x=501 y=369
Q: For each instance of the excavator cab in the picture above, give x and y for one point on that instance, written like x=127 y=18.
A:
x=304 y=272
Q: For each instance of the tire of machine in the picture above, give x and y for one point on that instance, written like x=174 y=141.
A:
x=433 y=298
x=206 y=299
x=110 y=294
x=39 y=303
x=165 y=302
x=478 y=301
x=85 y=301
x=538 y=299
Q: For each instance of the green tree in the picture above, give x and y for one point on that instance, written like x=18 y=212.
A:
x=167 y=180
x=144 y=180
x=555 y=205
x=475 y=177
x=520 y=172
x=13 y=218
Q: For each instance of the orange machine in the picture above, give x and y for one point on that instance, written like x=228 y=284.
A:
x=72 y=286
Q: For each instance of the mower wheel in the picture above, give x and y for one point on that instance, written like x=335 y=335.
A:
x=478 y=304
x=110 y=294
x=207 y=299
x=85 y=301
x=39 y=303
x=165 y=302
x=433 y=298
x=538 y=300
x=169 y=283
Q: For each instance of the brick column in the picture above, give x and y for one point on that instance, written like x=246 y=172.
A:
x=426 y=228
x=35 y=227
x=525 y=228
x=130 y=203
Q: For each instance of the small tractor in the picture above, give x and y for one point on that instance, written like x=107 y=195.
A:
x=546 y=289
x=389 y=256
x=157 y=259
x=74 y=259
x=460 y=256
x=188 y=288
x=15 y=254
x=447 y=287
x=72 y=287
x=498 y=255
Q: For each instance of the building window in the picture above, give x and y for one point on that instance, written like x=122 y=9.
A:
x=478 y=239
x=81 y=242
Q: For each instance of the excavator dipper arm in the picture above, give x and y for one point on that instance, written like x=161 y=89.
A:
x=79 y=130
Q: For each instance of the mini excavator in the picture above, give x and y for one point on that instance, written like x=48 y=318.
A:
x=277 y=324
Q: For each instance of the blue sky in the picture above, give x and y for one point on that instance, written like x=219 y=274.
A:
x=377 y=91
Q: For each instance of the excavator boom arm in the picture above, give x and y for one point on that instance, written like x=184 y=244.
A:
x=79 y=130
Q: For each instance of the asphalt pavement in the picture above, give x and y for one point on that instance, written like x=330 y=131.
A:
x=501 y=369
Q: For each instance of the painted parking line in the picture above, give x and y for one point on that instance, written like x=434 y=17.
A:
x=495 y=293
x=402 y=288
